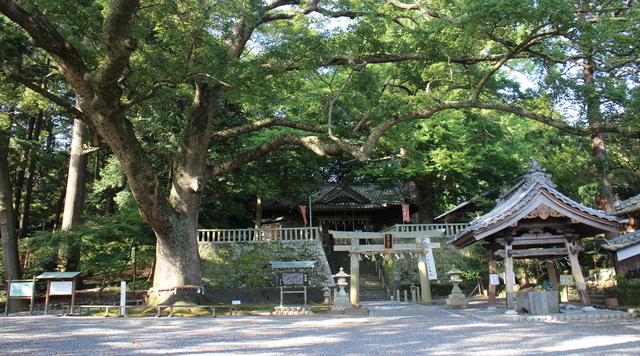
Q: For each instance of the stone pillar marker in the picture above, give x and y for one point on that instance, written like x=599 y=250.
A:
x=123 y=298
x=425 y=283
x=355 y=273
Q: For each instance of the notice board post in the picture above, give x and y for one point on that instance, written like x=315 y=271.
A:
x=292 y=274
x=60 y=283
x=20 y=289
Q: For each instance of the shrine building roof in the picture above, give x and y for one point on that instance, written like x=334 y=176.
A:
x=345 y=197
x=535 y=196
x=624 y=207
x=623 y=241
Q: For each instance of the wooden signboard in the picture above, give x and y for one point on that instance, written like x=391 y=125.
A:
x=61 y=288
x=388 y=240
x=20 y=289
x=60 y=283
x=566 y=279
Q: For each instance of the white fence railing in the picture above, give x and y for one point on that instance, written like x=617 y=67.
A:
x=449 y=229
x=306 y=233
x=258 y=235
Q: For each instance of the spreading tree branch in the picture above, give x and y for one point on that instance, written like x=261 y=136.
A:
x=224 y=135
x=314 y=143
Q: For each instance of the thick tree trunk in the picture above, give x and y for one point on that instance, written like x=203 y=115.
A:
x=178 y=271
x=426 y=195
x=75 y=193
x=8 y=230
x=598 y=148
x=606 y=197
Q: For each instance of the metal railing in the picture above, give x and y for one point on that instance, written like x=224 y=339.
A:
x=258 y=235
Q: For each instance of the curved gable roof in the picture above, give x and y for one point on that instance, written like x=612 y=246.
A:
x=534 y=191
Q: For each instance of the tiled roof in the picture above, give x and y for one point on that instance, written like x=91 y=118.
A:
x=367 y=197
x=341 y=197
x=623 y=241
x=460 y=206
x=512 y=201
x=624 y=207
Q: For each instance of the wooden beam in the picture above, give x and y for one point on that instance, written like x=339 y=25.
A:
x=538 y=253
x=380 y=248
x=533 y=241
x=380 y=235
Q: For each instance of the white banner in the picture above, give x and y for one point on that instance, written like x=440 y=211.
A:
x=431 y=263
x=494 y=279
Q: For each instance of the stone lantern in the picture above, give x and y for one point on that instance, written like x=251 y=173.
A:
x=342 y=301
x=456 y=299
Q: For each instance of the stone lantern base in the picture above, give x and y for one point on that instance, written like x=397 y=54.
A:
x=349 y=311
x=457 y=301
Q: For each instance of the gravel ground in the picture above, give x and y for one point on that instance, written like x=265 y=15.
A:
x=391 y=328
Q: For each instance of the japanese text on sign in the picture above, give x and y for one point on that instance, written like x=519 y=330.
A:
x=293 y=279
x=388 y=240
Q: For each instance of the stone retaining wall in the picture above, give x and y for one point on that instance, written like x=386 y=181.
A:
x=243 y=265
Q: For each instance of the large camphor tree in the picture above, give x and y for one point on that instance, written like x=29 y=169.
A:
x=135 y=66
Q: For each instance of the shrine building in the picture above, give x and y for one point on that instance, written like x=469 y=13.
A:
x=535 y=221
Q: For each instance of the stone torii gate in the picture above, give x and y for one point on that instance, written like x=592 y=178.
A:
x=389 y=245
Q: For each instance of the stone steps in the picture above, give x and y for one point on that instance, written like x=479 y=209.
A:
x=370 y=285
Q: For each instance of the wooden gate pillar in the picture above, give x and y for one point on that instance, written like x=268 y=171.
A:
x=492 y=287
x=508 y=278
x=553 y=276
x=581 y=285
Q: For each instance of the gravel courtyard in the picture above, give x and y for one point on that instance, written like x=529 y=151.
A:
x=391 y=328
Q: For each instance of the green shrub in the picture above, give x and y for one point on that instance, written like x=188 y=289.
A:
x=627 y=291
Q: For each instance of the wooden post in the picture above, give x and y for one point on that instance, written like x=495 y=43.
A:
x=354 y=288
x=508 y=279
x=73 y=293
x=46 y=298
x=581 y=285
x=553 y=277
x=492 y=287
